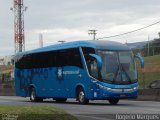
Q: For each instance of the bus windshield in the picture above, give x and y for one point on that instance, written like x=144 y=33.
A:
x=118 y=67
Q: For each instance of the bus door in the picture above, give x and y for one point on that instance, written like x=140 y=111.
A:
x=60 y=83
x=71 y=76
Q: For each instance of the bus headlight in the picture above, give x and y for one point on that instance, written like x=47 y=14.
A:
x=104 y=87
x=135 y=88
x=107 y=88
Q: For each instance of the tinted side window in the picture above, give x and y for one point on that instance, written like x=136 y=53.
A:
x=28 y=61
x=62 y=58
x=87 y=50
x=43 y=60
x=69 y=57
x=75 y=58
x=66 y=57
x=20 y=61
x=24 y=61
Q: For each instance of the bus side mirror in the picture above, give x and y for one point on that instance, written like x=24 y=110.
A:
x=140 y=58
x=99 y=60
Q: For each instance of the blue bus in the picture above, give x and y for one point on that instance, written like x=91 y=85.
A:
x=85 y=70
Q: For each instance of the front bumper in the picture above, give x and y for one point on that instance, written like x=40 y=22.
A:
x=106 y=94
x=120 y=95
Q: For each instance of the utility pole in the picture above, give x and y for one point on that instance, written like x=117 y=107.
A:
x=40 y=40
x=148 y=46
x=159 y=35
x=126 y=43
x=153 y=49
x=92 y=32
x=61 y=41
x=19 y=39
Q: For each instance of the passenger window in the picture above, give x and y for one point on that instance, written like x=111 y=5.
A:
x=57 y=58
x=69 y=57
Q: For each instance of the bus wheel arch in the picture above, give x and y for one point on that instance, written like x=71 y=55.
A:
x=113 y=101
x=80 y=95
x=33 y=96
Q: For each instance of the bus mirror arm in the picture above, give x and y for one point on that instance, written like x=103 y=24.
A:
x=99 y=60
x=140 y=58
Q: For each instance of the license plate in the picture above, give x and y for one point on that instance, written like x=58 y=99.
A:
x=123 y=95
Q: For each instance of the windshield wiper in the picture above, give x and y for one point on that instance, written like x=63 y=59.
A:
x=116 y=74
x=106 y=80
x=125 y=73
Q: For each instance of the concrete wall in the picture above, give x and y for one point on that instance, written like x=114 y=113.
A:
x=6 y=90
x=149 y=94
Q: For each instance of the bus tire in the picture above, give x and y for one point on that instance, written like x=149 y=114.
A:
x=60 y=100
x=33 y=96
x=113 y=101
x=81 y=97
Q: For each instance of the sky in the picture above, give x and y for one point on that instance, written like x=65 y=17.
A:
x=70 y=20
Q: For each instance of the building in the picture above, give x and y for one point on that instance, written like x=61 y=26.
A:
x=7 y=60
x=6 y=69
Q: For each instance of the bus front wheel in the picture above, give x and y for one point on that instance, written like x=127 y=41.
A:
x=81 y=97
x=33 y=96
x=113 y=101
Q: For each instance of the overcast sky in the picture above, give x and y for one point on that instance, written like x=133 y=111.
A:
x=71 y=19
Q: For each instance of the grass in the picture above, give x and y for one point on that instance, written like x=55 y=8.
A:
x=34 y=113
x=151 y=71
x=148 y=77
x=153 y=59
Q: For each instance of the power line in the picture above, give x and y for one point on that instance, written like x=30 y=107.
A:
x=130 y=31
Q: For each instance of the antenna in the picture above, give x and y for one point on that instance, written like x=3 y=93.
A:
x=19 y=38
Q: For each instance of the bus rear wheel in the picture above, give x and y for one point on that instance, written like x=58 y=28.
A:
x=33 y=96
x=113 y=101
x=81 y=97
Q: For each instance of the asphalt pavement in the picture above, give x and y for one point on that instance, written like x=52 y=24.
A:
x=96 y=110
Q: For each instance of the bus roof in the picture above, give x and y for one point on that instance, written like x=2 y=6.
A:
x=97 y=44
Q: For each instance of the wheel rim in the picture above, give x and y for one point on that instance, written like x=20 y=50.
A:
x=32 y=95
x=81 y=96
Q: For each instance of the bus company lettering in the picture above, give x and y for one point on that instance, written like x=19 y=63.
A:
x=60 y=73
x=70 y=72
